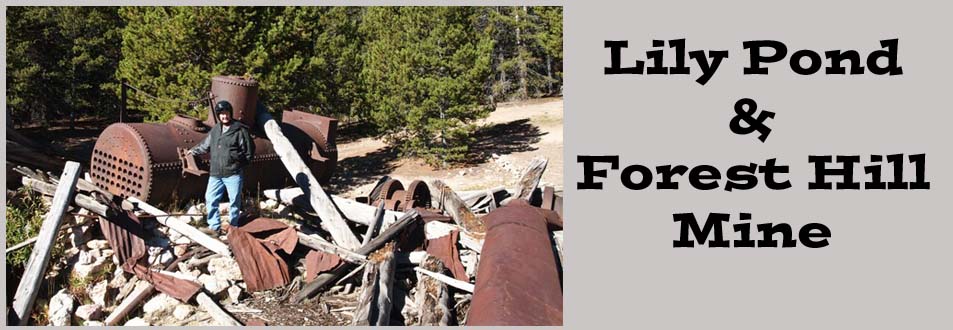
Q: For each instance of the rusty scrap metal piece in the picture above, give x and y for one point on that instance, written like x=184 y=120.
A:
x=417 y=195
x=445 y=249
x=317 y=262
x=518 y=282
x=143 y=160
x=241 y=93
x=189 y=164
x=256 y=245
x=124 y=233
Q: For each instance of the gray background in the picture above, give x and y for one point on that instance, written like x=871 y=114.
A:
x=888 y=265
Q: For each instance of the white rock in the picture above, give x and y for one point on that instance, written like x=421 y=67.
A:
x=60 y=309
x=97 y=244
x=225 y=268
x=81 y=270
x=212 y=284
x=89 y=312
x=138 y=321
x=99 y=293
x=234 y=293
x=160 y=303
x=182 y=311
x=197 y=209
x=93 y=323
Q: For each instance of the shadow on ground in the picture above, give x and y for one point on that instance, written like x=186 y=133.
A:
x=502 y=139
x=357 y=171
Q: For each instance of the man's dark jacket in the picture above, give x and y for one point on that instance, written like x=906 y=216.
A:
x=229 y=152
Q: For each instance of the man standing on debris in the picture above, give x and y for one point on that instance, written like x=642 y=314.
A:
x=230 y=149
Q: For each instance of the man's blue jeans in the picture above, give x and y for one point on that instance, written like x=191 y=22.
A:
x=213 y=196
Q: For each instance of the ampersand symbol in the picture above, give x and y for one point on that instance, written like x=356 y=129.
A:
x=747 y=115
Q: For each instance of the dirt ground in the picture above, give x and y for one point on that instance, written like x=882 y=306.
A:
x=507 y=140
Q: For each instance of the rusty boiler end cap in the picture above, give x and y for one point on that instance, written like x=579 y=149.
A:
x=236 y=80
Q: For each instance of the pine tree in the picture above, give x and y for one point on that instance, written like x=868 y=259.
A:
x=424 y=70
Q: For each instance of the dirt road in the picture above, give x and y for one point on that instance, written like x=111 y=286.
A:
x=507 y=140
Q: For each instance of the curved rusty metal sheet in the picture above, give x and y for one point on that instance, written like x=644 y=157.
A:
x=241 y=93
x=517 y=282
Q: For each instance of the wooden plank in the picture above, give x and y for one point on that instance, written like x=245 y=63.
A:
x=80 y=200
x=465 y=286
x=183 y=228
x=331 y=219
x=457 y=208
x=375 y=301
x=386 y=235
x=354 y=211
x=216 y=311
x=372 y=227
x=437 y=229
x=530 y=178
x=35 y=268
x=143 y=290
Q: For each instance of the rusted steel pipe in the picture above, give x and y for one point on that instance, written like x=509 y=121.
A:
x=517 y=283
x=141 y=159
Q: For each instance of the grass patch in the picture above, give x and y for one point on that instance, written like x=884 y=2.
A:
x=25 y=213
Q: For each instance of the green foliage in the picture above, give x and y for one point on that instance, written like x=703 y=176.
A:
x=424 y=70
x=24 y=218
x=528 y=51
x=61 y=61
x=420 y=75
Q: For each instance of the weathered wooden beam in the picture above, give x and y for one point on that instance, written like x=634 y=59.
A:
x=465 y=286
x=457 y=208
x=309 y=237
x=530 y=178
x=80 y=200
x=216 y=311
x=437 y=229
x=374 y=302
x=354 y=211
x=35 y=268
x=331 y=219
x=142 y=291
x=432 y=297
x=183 y=228
x=386 y=235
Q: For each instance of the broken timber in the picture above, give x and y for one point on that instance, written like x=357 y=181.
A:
x=530 y=178
x=36 y=266
x=386 y=235
x=331 y=218
x=432 y=297
x=354 y=211
x=216 y=311
x=374 y=303
x=183 y=228
x=465 y=286
x=457 y=208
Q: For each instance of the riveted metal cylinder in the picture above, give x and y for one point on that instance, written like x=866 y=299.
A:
x=241 y=93
x=517 y=282
x=141 y=159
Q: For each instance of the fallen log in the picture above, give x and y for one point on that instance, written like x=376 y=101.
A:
x=39 y=259
x=331 y=218
x=216 y=311
x=386 y=235
x=432 y=297
x=183 y=228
